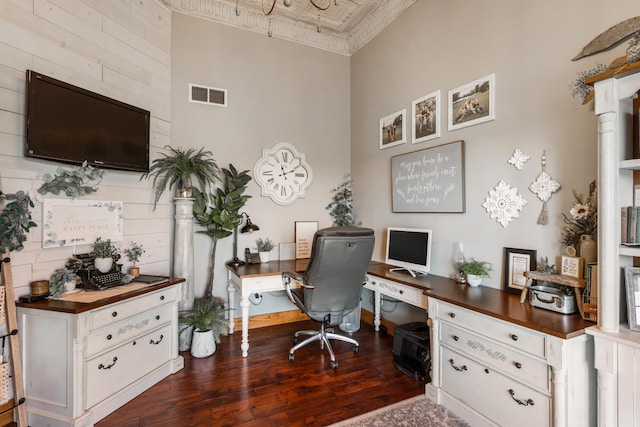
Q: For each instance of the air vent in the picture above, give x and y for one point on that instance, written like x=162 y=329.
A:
x=207 y=95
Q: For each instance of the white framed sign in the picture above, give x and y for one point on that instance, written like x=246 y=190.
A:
x=572 y=266
x=79 y=222
x=304 y=238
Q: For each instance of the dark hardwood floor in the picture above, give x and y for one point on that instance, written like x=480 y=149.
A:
x=265 y=389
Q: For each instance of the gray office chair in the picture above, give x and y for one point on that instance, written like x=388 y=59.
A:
x=331 y=285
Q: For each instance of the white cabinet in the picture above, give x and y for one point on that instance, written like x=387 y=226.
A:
x=494 y=372
x=82 y=362
x=616 y=347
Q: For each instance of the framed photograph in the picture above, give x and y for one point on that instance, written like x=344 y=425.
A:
x=392 y=129
x=516 y=262
x=632 y=282
x=426 y=117
x=472 y=103
x=304 y=238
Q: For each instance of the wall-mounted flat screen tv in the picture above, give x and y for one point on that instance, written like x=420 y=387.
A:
x=69 y=124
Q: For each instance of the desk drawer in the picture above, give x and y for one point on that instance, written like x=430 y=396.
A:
x=505 y=401
x=408 y=294
x=534 y=372
x=507 y=333
x=259 y=283
x=115 y=312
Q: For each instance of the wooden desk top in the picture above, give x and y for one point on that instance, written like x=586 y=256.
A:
x=489 y=301
x=79 y=307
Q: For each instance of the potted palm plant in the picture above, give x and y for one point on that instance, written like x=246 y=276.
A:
x=104 y=252
x=178 y=168
x=209 y=323
x=133 y=253
x=475 y=271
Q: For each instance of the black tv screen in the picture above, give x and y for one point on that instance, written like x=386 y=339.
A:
x=69 y=124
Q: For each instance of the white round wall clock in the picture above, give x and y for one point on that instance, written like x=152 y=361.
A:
x=282 y=173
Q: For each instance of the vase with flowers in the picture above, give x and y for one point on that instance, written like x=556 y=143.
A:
x=578 y=230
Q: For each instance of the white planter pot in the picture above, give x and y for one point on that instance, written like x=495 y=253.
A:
x=264 y=256
x=203 y=344
x=70 y=286
x=474 y=280
x=103 y=264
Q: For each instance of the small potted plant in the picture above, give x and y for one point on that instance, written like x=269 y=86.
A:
x=209 y=323
x=475 y=270
x=104 y=252
x=63 y=280
x=265 y=246
x=133 y=253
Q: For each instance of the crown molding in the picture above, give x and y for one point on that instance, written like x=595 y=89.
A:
x=345 y=42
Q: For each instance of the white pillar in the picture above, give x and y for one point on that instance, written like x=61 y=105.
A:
x=183 y=250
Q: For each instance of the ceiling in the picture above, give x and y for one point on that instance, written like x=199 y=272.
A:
x=344 y=28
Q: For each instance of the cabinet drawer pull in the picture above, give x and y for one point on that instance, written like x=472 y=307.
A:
x=452 y=315
x=109 y=336
x=520 y=402
x=158 y=317
x=401 y=291
x=514 y=337
x=114 y=314
x=156 y=342
x=486 y=371
x=101 y=366
x=518 y=365
x=162 y=298
x=456 y=338
x=457 y=368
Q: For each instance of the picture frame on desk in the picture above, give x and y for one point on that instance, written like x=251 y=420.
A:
x=304 y=233
x=516 y=262
x=632 y=282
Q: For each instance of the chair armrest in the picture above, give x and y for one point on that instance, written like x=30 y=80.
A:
x=287 y=278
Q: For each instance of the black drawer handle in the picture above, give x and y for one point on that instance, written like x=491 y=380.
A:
x=158 y=317
x=452 y=315
x=456 y=338
x=101 y=366
x=156 y=342
x=527 y=402
x=162 y=298
x=114 y=314
x=457 y=368
x=401 y=292
x=514 y=337
x=486 y=371
x=518 y=365
x=109 y=337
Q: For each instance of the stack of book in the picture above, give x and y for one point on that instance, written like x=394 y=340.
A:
x=630 y=233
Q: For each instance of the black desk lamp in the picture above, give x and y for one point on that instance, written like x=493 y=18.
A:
x=249 y=227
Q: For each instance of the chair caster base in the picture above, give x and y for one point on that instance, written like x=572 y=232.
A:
x=356 y=349
x=292 y=358
x=334 y=364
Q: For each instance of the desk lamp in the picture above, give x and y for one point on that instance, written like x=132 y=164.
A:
x=249 y=227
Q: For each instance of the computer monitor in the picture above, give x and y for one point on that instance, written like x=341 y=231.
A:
x=409 y=249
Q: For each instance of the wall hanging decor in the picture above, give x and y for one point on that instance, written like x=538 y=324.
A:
x=544 y=187
x=429 y=180
x=392 y=129
x=518 y=159
x=472 y=103
x=504 y=203
x=426 y=117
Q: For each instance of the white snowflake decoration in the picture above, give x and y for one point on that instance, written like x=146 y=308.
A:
x=518 y=159
x=544 y=186
x=504 y=203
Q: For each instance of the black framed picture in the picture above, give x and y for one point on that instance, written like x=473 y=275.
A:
x=516 y=262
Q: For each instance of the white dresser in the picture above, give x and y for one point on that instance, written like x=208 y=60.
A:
x=492 y=370
x=83 y=361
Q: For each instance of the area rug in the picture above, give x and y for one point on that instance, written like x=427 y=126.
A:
x=417 y=411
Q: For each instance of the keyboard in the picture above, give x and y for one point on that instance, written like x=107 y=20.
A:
x=106 y=281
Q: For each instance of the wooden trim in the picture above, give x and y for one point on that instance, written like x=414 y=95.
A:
x=282 y=317
x=6 y=418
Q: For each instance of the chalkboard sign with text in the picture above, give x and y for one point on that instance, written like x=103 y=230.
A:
x=429 y=180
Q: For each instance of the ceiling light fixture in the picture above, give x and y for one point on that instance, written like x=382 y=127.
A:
x=268 y=6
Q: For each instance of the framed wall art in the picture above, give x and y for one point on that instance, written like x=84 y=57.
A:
x=429 y=180
x=304 y=237
x=472 y=103
x=393 y=129
x=632 y=282
x=516 y=262
x=426 y=117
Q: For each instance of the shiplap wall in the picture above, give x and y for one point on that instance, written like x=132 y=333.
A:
x=118 y=48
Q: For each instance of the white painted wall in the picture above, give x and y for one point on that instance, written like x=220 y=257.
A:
x=441 y=45
x=121 y=49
